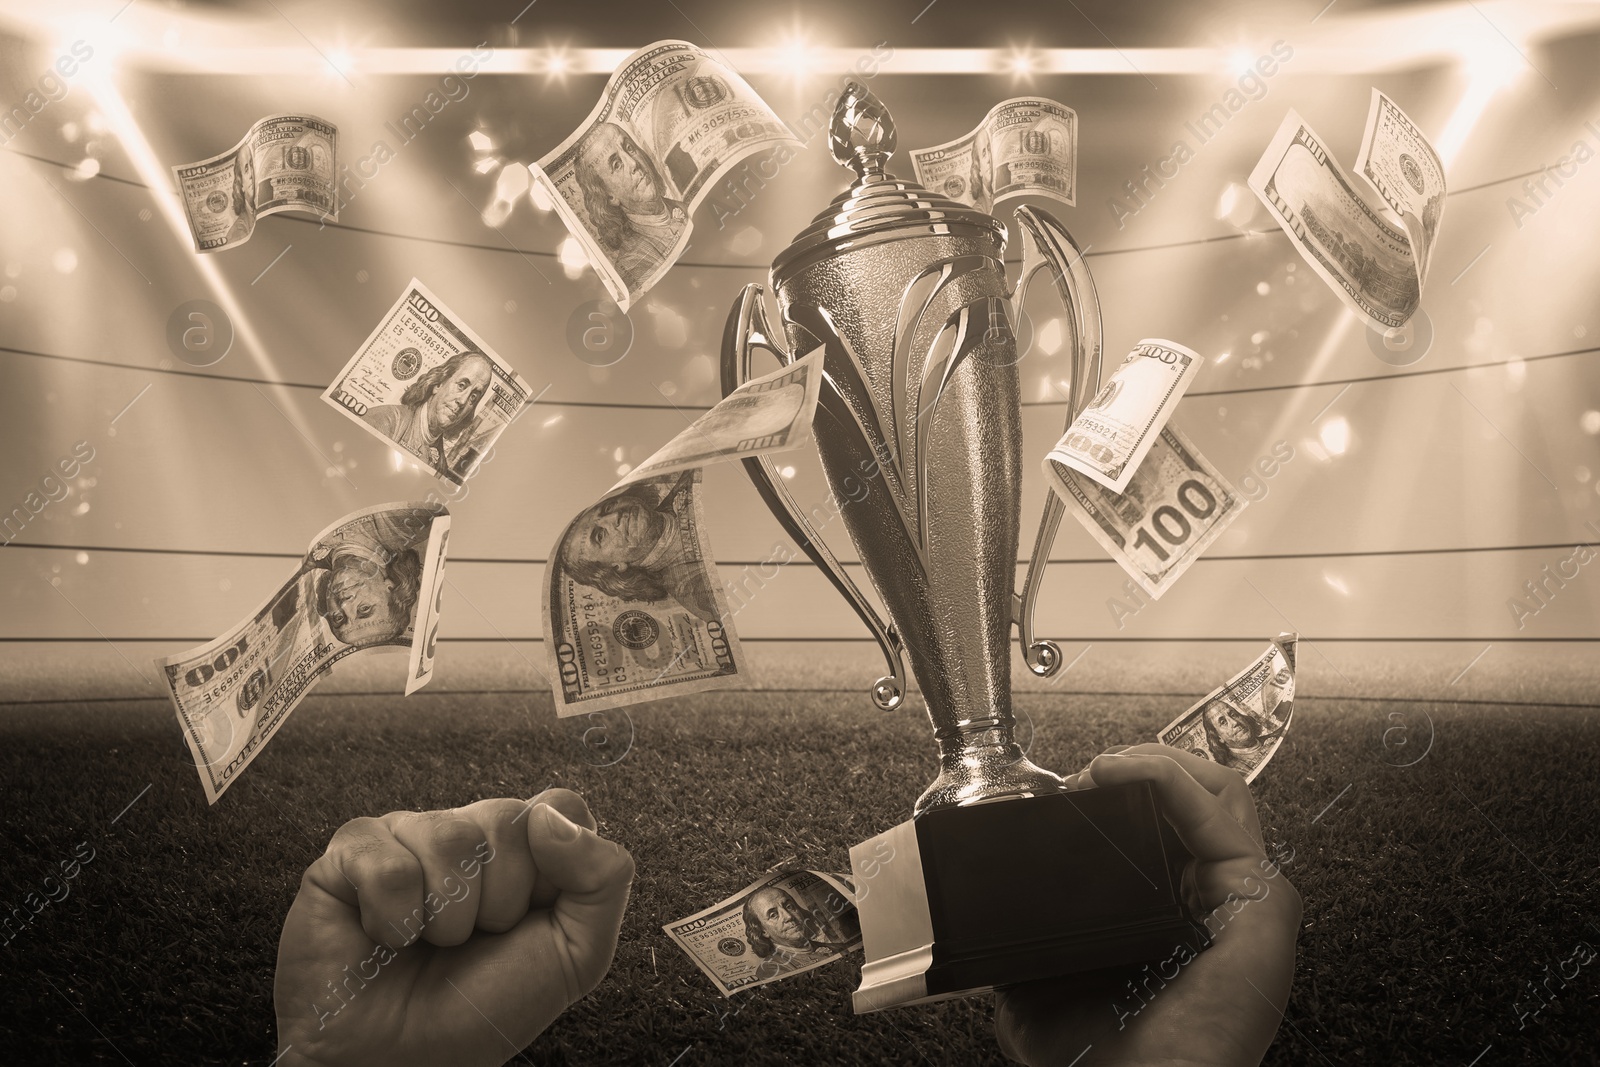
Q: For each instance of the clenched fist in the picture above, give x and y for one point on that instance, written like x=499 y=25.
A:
x=448 y=936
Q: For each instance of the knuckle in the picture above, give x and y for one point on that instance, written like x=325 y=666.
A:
x=309 y=879
x=358 y=830
x=1290 y=899
x=395 y=872
x=501 y=815
x=1168 y=768
x=454 y=835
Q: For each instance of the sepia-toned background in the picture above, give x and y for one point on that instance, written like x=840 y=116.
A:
x=1431 y=478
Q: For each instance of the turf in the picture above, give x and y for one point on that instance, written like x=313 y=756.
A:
x=1434 y=893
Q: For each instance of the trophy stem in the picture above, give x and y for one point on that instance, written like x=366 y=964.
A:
x=980 y=761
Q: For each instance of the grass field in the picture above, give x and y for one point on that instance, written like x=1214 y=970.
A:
x=1434 y=893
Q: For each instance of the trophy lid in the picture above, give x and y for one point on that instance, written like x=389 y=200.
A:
x=877 y=206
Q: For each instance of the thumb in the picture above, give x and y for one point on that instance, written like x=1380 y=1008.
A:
x=592 y=877
x=521 y=980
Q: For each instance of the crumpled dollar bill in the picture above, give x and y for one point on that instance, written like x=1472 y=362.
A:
x=672 y=121
x=372 y=580
x=283 y=163
x=1399 y=161
x=1172 y=509
x=1115 y=430
x=1024 y=145
x=780 y=925
x=635 y=610
x=1375 y=267
x=1242 y=723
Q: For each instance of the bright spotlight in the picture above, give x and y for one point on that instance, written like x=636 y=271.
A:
x=341 y=61
x=1240 y=62
x=1492 y=60
x=157 y=178
x=1491 y=63
x=509 y=187
x=1236 y=205
x=556 y=63
x=572 y=257
x=1335 y=435
x=1021 y=63
x=798 y=56
x=109 y=39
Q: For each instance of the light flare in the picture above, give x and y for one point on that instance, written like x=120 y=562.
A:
x=158 y=179
x=1335 y=435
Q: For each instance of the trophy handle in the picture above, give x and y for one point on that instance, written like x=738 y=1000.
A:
x=1046 y=243
x=747 y=330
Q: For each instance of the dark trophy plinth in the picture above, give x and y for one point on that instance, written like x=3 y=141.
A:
x=1001 y=876
x=960 y=900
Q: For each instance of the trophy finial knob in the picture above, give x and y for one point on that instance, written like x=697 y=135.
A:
x=861 y=134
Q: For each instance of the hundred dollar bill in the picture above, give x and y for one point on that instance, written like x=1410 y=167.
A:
x=783 y=924
x=1398 y=161
x=368 y=581
x=1366 y=259
x=635 y=610
x=768 y=414
x=1241 y=724
x=429 y=386
x=283 y=163
x=1111 y=435
x=1169 y=514
x=671 y=122
x=1023 y=145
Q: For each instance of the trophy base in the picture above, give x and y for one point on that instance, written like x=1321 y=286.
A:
x=958 y=901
